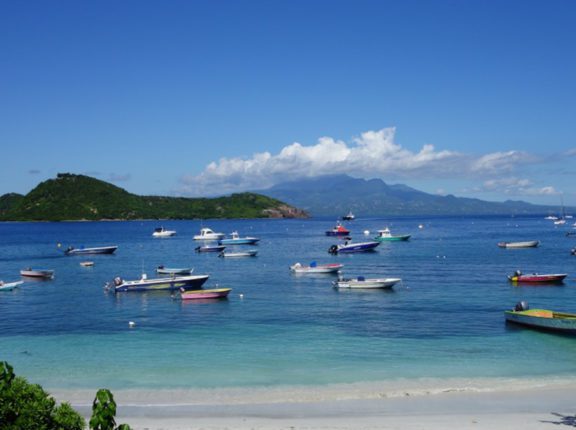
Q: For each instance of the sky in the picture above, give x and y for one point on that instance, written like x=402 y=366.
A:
x=473 y=98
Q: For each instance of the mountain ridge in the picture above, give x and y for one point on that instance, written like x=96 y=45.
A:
x=335 y=195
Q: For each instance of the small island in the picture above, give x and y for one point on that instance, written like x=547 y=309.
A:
x=71 y=197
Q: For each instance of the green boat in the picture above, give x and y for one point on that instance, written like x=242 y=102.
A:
x=386 y=235
x=542 y=319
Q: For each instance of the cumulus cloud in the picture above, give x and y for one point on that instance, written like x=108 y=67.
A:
x=372 y=153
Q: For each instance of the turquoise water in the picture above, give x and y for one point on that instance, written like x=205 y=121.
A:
x=444 y=321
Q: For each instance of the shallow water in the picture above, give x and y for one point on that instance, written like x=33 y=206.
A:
x=444 y=321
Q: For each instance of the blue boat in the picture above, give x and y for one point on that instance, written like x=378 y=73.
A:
x=173 y=283
x=235 y=239
x=353 y=247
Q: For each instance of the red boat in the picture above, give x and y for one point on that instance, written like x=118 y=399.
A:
x=338 y=230
x=537 y=277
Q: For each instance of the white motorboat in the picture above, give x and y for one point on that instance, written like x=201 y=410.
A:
x=366 y=283
x=525 y=244
x=237 y=254
x=208 y=234
x=162 y=232
x=316 y=268
x=9 y=286
x=37 y=273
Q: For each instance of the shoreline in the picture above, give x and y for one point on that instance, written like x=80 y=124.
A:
x=504 y=405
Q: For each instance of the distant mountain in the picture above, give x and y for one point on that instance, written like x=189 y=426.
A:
x=79 y=197
x=335 y=195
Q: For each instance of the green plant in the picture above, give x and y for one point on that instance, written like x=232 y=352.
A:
x=25 y=406
x=104 y=411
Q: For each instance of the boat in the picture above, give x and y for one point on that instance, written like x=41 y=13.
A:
x=316 y=268
x=208 y=234
x=235 y=239
x=162 y=270
x=526 y=244
x=236 y=254
x=348 y=247
x=87 y=263
x=162 y=232
x=97 y=250
x=366 y=283
x=172 y=283
x=386 y=235
x=9 y=286
x=349 y=216
x=338 y=230
x=210 y=248
x=518 y=276
x=37 y=273
x=215 y=293
x=542 y=319
x=573 y=251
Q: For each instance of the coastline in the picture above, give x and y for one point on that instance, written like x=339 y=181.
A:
x=425 y=404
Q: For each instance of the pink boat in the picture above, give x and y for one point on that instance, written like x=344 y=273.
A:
x=217 y=293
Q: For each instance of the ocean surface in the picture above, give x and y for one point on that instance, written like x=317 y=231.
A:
x=445 y=320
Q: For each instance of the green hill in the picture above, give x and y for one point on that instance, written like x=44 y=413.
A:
x=79 y=197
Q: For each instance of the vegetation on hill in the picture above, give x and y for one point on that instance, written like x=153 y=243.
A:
x=79 y=197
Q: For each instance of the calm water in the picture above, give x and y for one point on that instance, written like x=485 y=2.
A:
x=445 y=320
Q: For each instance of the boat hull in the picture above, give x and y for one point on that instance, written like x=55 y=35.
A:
x=353 y=247
x=360 y=283
x=162 y=284
x=40 y=274
x=242 y=241
x=9 y=286
x=238 y=254
x=543 y=319
x=173 y=271
x=538 y=279
x=322 y=268
x=85 y=251
x=514 y=245
x=210 y=248
x=218 y=293
x=400 y=238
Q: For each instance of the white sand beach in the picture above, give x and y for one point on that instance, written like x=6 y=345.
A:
x=522 y=406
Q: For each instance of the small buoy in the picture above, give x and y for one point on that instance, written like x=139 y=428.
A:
x=241 y=296
x=366 y=232
x=420 y=226
x=131 y=324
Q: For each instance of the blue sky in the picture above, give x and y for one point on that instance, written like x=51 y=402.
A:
x=472 y=98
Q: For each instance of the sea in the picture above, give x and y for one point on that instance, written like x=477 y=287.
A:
x=277 y=329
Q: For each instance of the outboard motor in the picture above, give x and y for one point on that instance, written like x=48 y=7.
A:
x=117 y=280
x=333 y=249
x=521 y=306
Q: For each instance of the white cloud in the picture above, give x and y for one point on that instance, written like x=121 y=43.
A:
x=372 y=153
x=517 y=187
x=501 y=161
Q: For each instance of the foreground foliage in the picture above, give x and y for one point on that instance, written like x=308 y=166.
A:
x=25 y=406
